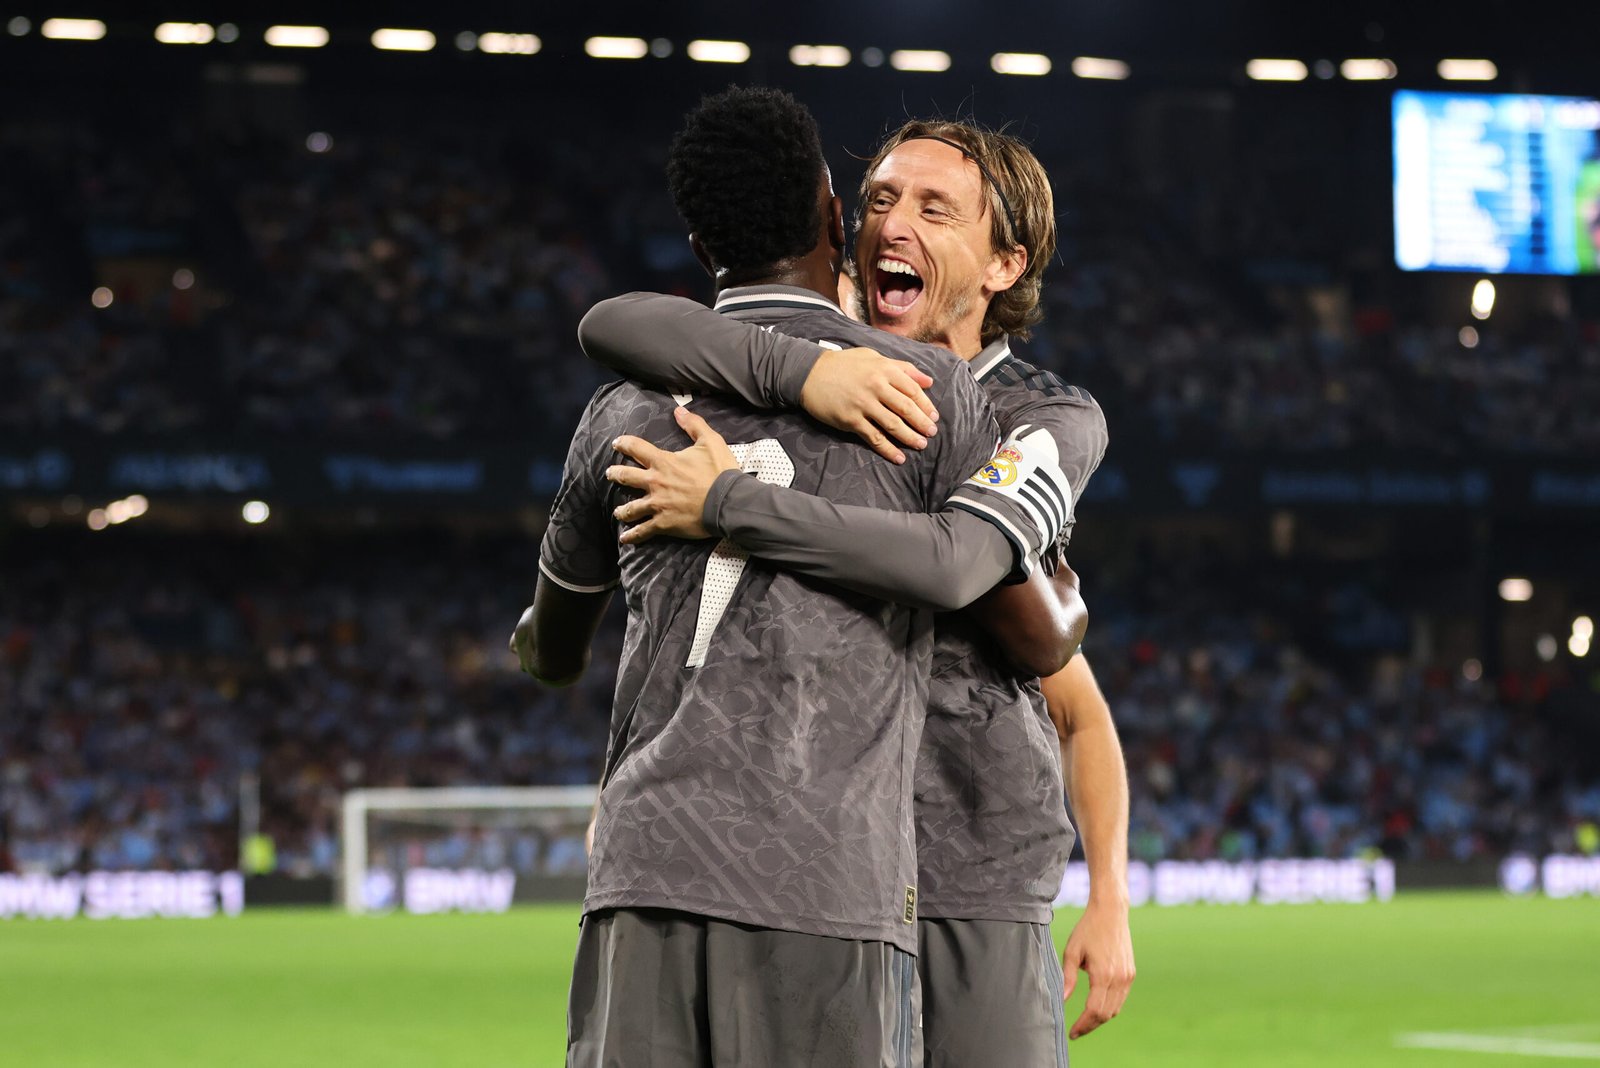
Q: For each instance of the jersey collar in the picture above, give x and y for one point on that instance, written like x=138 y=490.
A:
x=989 y=360
x=760 y=298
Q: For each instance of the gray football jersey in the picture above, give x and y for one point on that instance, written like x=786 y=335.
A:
x=993 y=835
x=764 y=733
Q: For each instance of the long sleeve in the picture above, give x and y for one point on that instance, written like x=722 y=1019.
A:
x=942 y=562
x=681 y=345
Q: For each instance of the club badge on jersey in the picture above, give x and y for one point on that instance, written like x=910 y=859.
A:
x=1000 y=471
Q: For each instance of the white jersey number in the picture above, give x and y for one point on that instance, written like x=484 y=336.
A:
x=766 y=460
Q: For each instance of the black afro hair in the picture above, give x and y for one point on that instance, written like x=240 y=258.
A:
x=743 y=173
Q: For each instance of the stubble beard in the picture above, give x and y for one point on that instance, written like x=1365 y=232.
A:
x=936 y=330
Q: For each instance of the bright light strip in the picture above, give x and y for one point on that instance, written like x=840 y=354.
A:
x=616 y=47
x=1468 y=70
x=1583 y=627
x=73 y=29
x=819 y=56
x=1024 y=63
x=913 y=59
x=182 y=33
x=719 y=51
x=1516 y=590
x=1095 y=67
x=1368 y=70
x=510 y=44
x=1276 y=70
x=1482 y=299
x=403 y=40
x=296 y=36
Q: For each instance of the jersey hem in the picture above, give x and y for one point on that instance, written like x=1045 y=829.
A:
x=984 y=910
x=902 y=936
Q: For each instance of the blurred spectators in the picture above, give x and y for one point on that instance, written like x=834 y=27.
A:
x=142 y=679
x=429 y=286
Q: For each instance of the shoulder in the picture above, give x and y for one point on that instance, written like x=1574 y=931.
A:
x=1025 y=393
x=1018 y=374
x=619 y=399
x=620 y=407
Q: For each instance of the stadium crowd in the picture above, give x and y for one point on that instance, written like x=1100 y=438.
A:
x=426 y=286
x=367 y=285
x=144 y=676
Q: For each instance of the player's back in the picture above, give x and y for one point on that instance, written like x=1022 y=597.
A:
x=766 y=724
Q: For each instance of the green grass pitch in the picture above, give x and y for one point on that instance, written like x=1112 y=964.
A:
x=1251 y=985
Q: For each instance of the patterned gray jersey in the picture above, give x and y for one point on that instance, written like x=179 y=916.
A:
x=992 y=830
x=765 y=728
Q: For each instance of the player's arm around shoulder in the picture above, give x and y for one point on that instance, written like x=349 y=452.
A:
x=679 y=344
x=682 y=345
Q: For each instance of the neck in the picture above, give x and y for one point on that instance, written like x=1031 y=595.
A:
x=965 y=339
x=815 y=273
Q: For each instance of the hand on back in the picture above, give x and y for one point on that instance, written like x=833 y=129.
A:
x=866 y=393
x=674 y=485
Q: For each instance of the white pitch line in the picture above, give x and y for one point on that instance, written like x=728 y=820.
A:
x=1525 y=1047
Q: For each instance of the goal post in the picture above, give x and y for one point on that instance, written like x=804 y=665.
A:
x=472 y=848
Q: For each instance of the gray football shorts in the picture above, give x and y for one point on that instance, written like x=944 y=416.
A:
x=991 y=995
x=656 y=988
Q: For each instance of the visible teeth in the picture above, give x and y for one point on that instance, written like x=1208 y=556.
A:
x=896 y=267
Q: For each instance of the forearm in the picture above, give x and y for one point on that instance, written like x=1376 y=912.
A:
x=1039 y=623
x=1096 y=779
x=682 y=345
x=940 y=562
x=558 y=631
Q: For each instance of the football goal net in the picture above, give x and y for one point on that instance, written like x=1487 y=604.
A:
x=463 y=849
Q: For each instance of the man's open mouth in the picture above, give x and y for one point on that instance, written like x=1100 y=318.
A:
x=897 y=287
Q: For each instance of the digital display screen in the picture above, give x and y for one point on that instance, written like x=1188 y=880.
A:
x=1496 y=183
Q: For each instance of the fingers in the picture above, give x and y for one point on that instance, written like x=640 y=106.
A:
x=641 y=532
x=637 y=449
x=919 y=381
x=632 y=477
x=917 y=425
x=878 y=442
x=1071 y=961
x=896 y=428
x=698 y=429
x=921 y=378
x=1097 y=1010
x=1108 y=992
x=522 y=639
x=634 y=510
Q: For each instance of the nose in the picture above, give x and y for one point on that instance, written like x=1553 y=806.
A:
x=897 y=222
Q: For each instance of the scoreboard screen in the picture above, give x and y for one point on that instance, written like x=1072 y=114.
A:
x=1496 y=183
